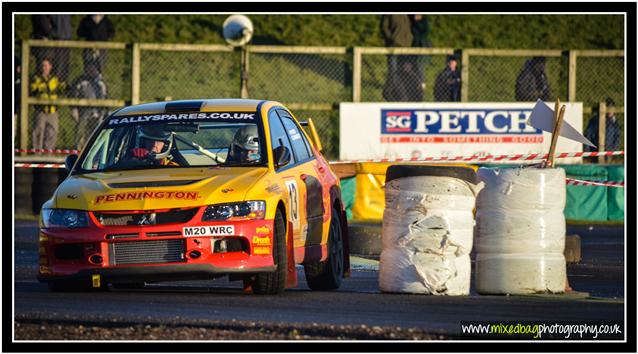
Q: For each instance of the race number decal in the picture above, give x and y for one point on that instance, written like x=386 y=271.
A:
x=293 y=201
x=217 y=230
x=293 y=194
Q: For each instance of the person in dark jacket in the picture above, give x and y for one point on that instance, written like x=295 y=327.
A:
x=612 y=130
x=531 y=83
x=17 y=91
x=53 y=27
x=420 y=39
x=43 y=27
x=402 y=79
x=89 y=85
x=96 y=28
x=447 y=86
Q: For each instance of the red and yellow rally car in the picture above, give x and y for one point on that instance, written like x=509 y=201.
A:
x=196 y=189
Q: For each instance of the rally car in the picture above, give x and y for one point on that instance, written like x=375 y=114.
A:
x=196 y=189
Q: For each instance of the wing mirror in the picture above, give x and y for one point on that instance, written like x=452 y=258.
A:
x=70 y=161
x=282 y=156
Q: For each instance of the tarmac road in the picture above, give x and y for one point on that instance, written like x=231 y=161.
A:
x=357 y=302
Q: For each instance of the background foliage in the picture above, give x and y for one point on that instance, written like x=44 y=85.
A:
x=454 y=31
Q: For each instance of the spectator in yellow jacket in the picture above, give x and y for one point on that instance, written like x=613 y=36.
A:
x=45 y=85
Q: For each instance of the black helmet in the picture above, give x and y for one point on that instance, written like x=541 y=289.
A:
x=156 y=133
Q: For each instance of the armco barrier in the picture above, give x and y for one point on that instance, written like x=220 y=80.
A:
x=34 y=186
x=23 y=185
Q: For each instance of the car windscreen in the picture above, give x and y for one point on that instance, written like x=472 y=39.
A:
x=175 y=144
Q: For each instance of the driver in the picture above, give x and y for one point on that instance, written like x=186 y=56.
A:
x=154 y=145
x=245 y=145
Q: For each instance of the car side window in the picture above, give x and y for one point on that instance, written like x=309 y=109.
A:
x=296 y=137
x=278 y=134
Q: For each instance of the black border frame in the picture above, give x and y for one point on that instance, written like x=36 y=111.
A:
x=628 y=8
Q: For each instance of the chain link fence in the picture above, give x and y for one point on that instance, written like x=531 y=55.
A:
x=297 y=75
x=600 y=79
x=309 y=81
x=175 y=72
x=408 y=75
x=517 y=79
x=96 y=77
x=408 y=78
x=70 y=73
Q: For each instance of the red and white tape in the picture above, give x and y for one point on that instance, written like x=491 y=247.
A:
x=39 y=165
x=578 y=182
x=49 y=151
x=516 y=157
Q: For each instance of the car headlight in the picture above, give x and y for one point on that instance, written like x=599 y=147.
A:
x=64 y=218
x=249 y=210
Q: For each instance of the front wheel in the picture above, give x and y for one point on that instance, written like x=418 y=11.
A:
x=327 y=275
x=275 y=282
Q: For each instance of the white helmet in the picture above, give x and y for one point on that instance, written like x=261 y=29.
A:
x=245 y=146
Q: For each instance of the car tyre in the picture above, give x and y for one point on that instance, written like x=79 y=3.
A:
x=327 y=275
x=275 y=282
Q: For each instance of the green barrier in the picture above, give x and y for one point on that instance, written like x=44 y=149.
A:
x=348 y=187
x=615 y=196
x=584 y=203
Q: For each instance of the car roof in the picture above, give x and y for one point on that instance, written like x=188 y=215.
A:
x=201 y=105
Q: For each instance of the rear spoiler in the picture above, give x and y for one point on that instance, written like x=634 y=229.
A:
x=314 y=137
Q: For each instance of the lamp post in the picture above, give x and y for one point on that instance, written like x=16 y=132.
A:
x=238 y=30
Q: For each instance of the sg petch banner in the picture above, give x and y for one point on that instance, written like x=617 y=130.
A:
x=409 y=130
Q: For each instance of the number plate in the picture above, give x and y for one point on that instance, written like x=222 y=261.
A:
x=217 y=230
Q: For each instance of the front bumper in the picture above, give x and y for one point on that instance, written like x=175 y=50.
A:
x=123 y=257
x=156 y=273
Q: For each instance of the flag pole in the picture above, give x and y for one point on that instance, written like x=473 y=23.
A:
x=558 y=122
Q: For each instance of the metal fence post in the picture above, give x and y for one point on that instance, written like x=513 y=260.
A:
x=602 y=125
x=356 y=74
x=135 y=74
x=244 y=71
x=571 y=78
x=24 y=96
x=465 y=74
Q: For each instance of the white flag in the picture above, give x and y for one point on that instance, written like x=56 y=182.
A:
x=543 y=118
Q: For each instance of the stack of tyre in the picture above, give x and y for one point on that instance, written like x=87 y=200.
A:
x=427 y=231
x=520 y=231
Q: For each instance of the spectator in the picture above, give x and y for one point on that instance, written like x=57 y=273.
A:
x=420 y=34
x=89 y=85
x=402 y=80
x=64 y=32
x=43 y=28
x=53 y=27
x=46 y=85
x=531 y=83
x=96 y=28
x=612 y=130
x=17 y=91
x=447 y=86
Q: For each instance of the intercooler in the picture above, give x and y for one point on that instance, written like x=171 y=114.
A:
x=147 y=252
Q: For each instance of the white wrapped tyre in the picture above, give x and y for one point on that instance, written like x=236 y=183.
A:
x=520 y=232
x=427 y=232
